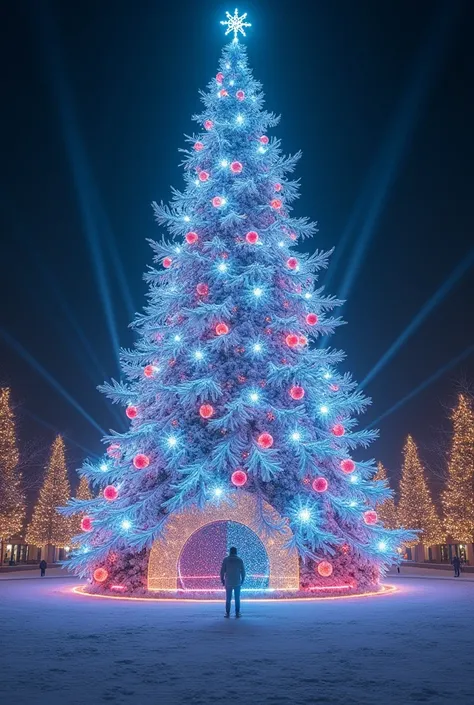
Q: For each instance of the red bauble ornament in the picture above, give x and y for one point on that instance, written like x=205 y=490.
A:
x=297 y=393
x=203 y=176
x=292 y=340
x=292 y=263
x=236 y=167
x=303 y=340
x=311 y=319
x=219 y=77
x=252 y=237
x=206 y=411
x=198 y=146
x=113 y=450
x=223 y=93
x=202 y=289
x=217 y=201
x=191 y=238
x=264 y=139
x=100 y=575
x=276 y=203
x=149 y=370
x=167 y=262
x=370 y=517
x=240 y=95
x=325 y=569
x=338 y=430
x=239 y=478
x=278 y=187
x=265 y=440
x=141 y=461
x=86 y=524
x=320 y=484
x=110 y=493
x=132 y=412
x=347 y=466
x=222 y=329
x=208 y=124
x=334 y=387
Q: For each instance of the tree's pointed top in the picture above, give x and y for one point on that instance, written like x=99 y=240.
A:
x=236 y=24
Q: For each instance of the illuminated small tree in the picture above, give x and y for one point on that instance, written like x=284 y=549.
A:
x=83 y=493
x=48 y=526
x=458 y=497
x=386 y=510
x=12 y=500
x=416 y=508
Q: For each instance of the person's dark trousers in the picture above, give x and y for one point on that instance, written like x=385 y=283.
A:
x=42 y=572
x=456 y=573
x=228 y=599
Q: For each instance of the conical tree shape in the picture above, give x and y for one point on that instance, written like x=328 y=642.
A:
x=12 y=500
x=416 y=508
x=226 y=390
x=83 y=489
x=48 y=526
x=386 y=510
x=458 y=497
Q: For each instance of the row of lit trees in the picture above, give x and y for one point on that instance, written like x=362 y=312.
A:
x=416 y=508
x=47 y=526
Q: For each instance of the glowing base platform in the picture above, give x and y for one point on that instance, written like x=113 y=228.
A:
x=335 y=592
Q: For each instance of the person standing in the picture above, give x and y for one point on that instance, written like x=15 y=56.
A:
x=232 y=577
x=43 y=566
x=456 y=565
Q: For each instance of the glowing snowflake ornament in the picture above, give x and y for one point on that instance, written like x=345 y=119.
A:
x=235 y=24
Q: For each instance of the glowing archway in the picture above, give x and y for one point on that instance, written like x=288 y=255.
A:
x=165 y=552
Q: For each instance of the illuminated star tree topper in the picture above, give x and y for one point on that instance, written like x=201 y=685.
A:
x=236 y=24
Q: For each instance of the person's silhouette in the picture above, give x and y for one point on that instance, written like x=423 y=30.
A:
x=232 y=577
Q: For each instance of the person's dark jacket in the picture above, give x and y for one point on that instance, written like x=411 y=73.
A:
x=456 y=562
x=232 y=571
x=43 y=565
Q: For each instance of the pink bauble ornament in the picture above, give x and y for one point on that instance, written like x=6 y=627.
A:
x=217 y=201
x=264 y=139
x=203 y=176
x=141 y=461
x=100 y=575
x=223 y=93
x=86 y=524
x=276 y=203
x=240 y=95
x=311 y=319
x=206 y=411
x=236 y=167
x=325 y=569
x=167 y=262
x=219 y=77
x=338 y=430
x=320 y=484
x=297 y=393
x=292 y=340
x=208 y=124
x=292 y=263
x=370 y=517
x=198 y=146
x=131 y=412
x=222 y=329
x=149 y=370
x=252 y=237
x=192 y=238
x=239 y=478
x=202 y=289
x=113 y=450
x=303 y=340
x=110 y=493
x=265 y=440
x=278 y=187
x=347 y=466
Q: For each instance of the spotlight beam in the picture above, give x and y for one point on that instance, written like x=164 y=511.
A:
x=44 y=423
x=18 y=348
x=422 y=314
x=439 y=373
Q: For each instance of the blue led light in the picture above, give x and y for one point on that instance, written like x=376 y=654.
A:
x=296 y=436
x=324 y=409
x=222 y=267
x=104 y=467
x=382 y=546
x=172 y=441
x=257 y=292
x=126 y=524
x=198 y=355
x=304 y=515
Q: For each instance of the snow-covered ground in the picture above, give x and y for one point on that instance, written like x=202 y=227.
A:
x=414 y=646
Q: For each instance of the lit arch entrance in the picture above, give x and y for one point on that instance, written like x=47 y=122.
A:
x=163 y=566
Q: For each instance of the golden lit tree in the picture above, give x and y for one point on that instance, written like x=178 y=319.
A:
x=416 y=509
x=12 y=500
x=386 y=510
x=83 y=492
x=458 y=496
x=48 y=527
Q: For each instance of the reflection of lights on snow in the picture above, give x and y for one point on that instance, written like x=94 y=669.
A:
x=257 y=347
x=304 y=515
x=257 y=291
x=382 y=546
x=126 y=524
x=172 y=441
x=222 y=267
x=324 y=409
x=296 y=436
x=186 y=218
x=104 y=467
x=354 y=479
x=198 y=355
x=224 y=163
x=239 y=119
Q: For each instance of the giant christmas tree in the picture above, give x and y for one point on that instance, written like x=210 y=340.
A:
x=242 y=430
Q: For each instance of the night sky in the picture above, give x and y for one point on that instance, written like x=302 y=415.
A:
x=96 y=97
